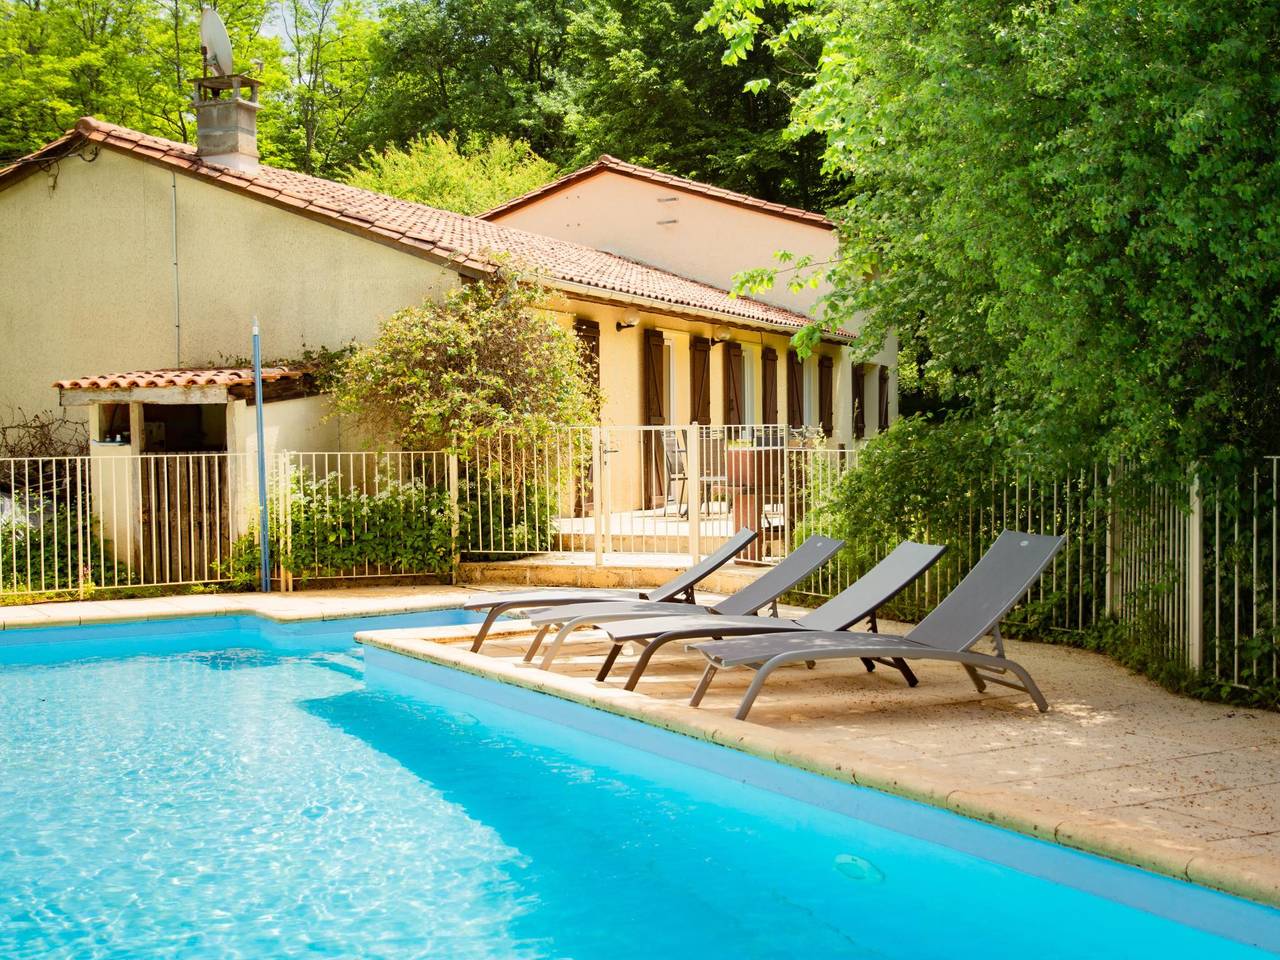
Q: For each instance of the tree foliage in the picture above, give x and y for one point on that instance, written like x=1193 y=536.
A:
x=1069 y=211
x=470 y=177
x=489 y=360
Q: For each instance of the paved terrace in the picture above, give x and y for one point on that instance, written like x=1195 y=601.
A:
x=1118 y=766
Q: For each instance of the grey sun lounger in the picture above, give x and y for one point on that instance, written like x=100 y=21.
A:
x=971 y=611
x=678 y=589
x=761 y=592
x=855 y=603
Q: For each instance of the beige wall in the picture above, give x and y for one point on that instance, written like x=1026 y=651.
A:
x=299 y=424
x=87 y=277
x=709 y=240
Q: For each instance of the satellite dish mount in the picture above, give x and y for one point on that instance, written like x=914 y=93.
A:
x=226 y=126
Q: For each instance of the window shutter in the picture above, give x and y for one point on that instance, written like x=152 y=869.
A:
x=884 y=398
x=700 y=380
x=824 y=396
x=588 y=333
x=795 y=391
x=768 y=385
x=859 y=402
x=733 y=382
x=653 y=378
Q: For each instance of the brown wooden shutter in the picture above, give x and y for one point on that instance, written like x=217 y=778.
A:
x=588 y=333
x=733 y=383
x=795 y=391
x=654 y=415
x=768 y=385
x=824 y=396
x=700 y=380
x=884 y=398
x=653 y=378
x=859 y=402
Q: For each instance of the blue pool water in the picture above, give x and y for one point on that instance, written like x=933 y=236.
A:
x=229 y=788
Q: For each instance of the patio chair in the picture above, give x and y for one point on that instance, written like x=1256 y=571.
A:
x=762 y=592
x=860 y=601
x=679 y=588
x=971 y=611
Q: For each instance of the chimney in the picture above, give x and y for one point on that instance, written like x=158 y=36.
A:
x=226 y=123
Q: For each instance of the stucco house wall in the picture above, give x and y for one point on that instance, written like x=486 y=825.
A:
x=695 y=236
x=87 y=277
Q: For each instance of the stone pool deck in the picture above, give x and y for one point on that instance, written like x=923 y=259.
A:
x=1118 y=766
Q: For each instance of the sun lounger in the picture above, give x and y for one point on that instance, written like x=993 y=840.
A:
x=857 y=602
x=971 y=611
x=761 y=592
x=678 y=589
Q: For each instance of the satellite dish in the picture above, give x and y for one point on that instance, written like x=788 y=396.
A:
x=215 y=43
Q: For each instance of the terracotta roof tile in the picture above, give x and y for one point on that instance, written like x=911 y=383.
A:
x=637 y=172
x=470 y=243
x=209 y=377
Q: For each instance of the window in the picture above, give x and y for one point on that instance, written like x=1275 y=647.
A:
x=750 y=359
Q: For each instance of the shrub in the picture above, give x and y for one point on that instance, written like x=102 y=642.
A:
x=399 y=526
x=489 y=361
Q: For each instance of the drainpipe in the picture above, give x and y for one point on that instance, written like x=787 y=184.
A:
x=177 y=294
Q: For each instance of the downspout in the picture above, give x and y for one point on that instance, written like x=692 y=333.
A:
x=177 y=294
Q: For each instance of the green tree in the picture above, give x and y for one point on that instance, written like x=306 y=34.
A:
x=1070 y=210
x=437 y=171
x=645 y=86
x=329 y=66
x=490 y=67
x=487 y=360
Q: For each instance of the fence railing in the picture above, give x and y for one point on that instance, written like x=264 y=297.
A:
x=1196 y=564
x=71 y=524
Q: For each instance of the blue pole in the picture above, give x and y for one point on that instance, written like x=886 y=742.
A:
x=263 y=516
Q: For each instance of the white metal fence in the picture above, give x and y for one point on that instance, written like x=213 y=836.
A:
x=1195 y=564
x=73 y=524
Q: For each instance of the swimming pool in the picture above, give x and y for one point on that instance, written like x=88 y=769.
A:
x=231 y=787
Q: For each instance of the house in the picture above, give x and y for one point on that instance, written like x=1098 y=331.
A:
x=127 y=252
x=710 y=234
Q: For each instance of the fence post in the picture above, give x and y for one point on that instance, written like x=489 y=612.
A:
x=597 y=495
x=82 y=506
x=1195 y=577
x=693 y=489
x=284 y=483
x=1109 y=560
x=455 y=517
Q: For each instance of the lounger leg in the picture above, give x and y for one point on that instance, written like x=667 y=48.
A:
x=646 y=655
x=977 y=680
x=494 y=612
x=700 y=690
x=556 y=644
x=869 y=664
x=537 y=642
x=608 y=662
x=753 y=691
x=907 y=672
x=1029 y=685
